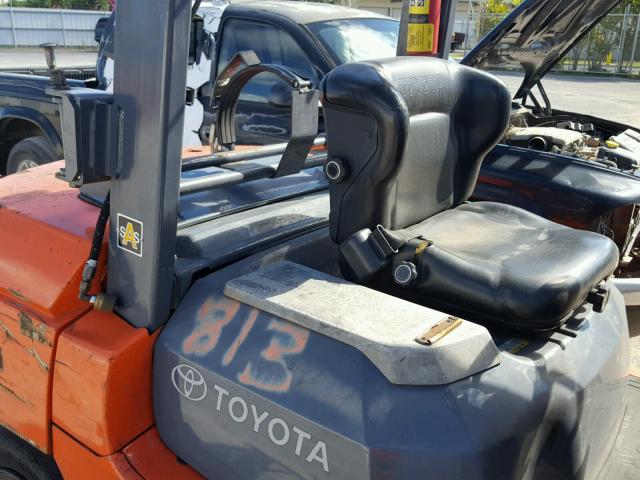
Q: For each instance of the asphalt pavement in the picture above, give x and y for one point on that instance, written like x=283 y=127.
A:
x=611 y=98
x=34 y=58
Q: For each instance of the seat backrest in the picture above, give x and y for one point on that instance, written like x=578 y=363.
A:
x=410 y=134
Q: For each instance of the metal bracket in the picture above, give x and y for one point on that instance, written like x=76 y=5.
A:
x=439 y=330
x=527 y=93
x=91 y=135
x=599 y=297
x=304 y=114
x=304 y=128
x=545 y=98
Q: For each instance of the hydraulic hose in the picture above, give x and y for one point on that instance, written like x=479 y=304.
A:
x=100 y=301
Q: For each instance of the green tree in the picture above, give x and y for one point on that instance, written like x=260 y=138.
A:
x=492 y=12
x=80 y=4
x=604 y=39
x=31 y=3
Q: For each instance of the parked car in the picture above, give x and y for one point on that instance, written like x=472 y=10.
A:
x=30 y=130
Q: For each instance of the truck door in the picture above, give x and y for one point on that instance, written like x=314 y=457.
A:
x=263 y=114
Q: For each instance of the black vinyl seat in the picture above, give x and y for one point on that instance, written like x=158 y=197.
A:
x=406 y=137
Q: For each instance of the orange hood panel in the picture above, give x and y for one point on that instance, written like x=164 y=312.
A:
x=45 y=233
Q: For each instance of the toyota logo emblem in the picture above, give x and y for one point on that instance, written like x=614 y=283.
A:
x=189 y=382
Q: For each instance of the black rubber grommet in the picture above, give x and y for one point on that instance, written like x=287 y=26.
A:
x=405 y=274
x=335 y=170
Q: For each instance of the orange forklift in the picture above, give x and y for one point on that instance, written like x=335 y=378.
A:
x=294 y=313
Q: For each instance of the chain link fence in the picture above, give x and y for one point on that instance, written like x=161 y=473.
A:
x=611 y=48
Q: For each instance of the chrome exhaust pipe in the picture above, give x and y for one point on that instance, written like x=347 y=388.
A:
x=630 y=289
x=538 y=143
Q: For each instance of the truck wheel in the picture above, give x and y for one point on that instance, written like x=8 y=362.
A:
x=9 y=475
x=29 y=153
x=21 y=461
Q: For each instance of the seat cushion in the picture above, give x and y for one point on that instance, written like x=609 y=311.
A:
x=501 y=263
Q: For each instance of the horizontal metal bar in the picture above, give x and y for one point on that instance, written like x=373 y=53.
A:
x=234 y=175
x=189 y=222
x=217 y=159
x=630 y=289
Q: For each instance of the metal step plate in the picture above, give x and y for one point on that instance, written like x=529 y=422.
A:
x=410 y=344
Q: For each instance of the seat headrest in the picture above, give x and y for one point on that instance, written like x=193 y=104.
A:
x=412 y=132
x=424 y=84
x=413 y=85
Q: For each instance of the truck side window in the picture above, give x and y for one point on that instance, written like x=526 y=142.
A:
x=271 y=44
x=263 y=115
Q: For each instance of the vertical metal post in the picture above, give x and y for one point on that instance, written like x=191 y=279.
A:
x=635 y=44
x=469 y=16
x=13 y=27
x=64 y=32
x=151 y=45
x=587 y=65
x=622 y=39
x=401 y=49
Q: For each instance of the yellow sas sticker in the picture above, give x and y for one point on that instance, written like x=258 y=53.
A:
x=130 y=234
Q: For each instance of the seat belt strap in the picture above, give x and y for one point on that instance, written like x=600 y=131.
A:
x=304 y=128
x=390 y=242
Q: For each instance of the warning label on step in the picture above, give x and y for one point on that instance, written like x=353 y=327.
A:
x=130 y=234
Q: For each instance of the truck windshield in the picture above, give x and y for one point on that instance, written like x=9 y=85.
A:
x=359 y=39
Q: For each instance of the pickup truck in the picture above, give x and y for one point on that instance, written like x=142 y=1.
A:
x=312 y=39
x=29 y=123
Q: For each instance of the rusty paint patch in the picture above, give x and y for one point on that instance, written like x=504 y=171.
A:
x=41 y=363
x=4 y=388
x=7 y=332
x=17 y=294
x=29 y=330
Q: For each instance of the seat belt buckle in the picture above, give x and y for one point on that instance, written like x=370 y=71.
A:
x=382 y=242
